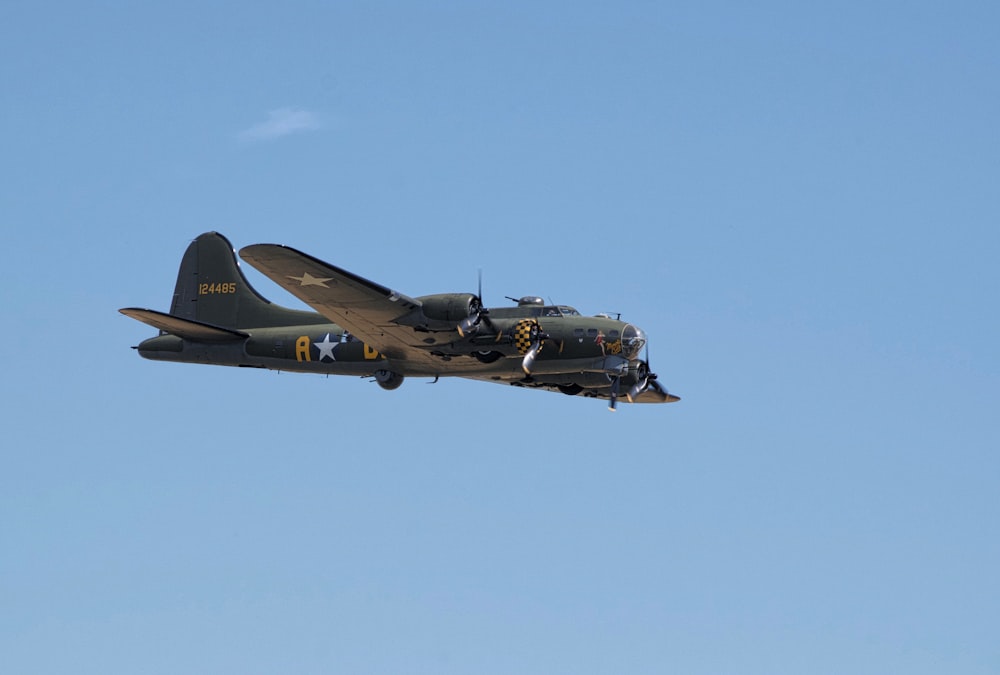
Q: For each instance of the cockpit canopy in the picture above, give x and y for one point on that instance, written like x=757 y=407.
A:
x=531 y=306
x=559 y=310
x=546 y=310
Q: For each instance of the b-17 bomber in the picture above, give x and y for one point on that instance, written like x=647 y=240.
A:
x=364 y=329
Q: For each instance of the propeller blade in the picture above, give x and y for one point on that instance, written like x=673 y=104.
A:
x=529 y=357
x=480 y=314
x=466 y=324
x=636 y=389
x=646 y=381
x=615 y=384
x=642 y=376
x=471 y=322
x=527 y=333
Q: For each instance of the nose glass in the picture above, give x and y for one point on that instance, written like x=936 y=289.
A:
x=633 y=340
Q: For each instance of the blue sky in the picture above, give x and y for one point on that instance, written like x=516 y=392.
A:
x=798 y=204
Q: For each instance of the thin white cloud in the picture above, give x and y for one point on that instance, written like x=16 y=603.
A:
x=281 y=122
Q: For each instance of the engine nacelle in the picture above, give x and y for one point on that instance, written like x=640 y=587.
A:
x=388 y=380
x=449 y=307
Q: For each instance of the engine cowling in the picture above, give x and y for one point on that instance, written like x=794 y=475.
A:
x=450 y=308
x=637 y=373
x=388 y=380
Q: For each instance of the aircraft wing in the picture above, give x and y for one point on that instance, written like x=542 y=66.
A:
x=367 y=309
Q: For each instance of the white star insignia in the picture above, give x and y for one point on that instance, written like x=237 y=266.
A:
x=309 y=280
x=326 y=348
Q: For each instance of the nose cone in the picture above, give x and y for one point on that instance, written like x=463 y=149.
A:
x=633 y=340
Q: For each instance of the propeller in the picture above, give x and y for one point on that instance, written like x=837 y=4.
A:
x=642 y=377
x=479 y=314
x=537 y=338
x=647 y=380
x=615 y=386
x=469 y=323
x=529 y=358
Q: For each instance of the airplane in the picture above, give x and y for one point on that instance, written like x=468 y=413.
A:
x=365 y=329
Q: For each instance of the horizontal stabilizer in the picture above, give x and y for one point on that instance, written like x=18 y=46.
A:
x=185 y=328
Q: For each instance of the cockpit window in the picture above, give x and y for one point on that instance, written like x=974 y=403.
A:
x=561 y=310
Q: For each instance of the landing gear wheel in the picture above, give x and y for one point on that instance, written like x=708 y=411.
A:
x=570 y=389
x=487 y=356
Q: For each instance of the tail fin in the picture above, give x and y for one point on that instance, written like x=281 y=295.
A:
x=211 y=289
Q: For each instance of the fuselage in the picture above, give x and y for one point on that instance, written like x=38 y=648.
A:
x=572 y=343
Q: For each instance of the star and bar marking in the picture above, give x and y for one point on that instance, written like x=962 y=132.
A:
x=309 y=280
x=326 y=348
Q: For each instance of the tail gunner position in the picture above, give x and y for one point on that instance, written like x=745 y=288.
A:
x=365 y=329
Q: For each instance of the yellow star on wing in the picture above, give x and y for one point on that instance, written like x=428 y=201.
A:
x=309 y=280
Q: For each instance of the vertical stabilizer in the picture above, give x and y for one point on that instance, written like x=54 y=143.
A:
x=211 y=289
